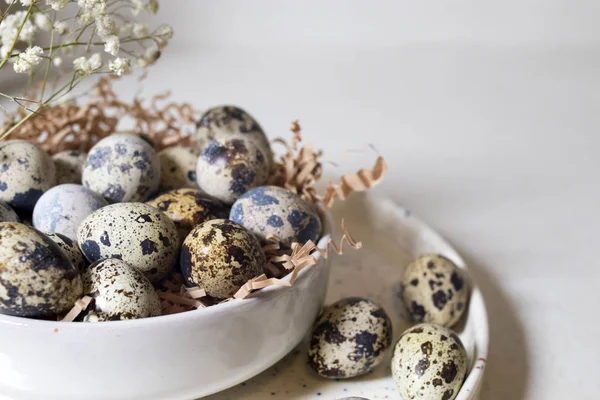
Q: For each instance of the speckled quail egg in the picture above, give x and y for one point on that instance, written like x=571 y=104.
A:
x=136 y=233
x=70 y=248
x=220 y=256
x=122 y=167
x=178 y=168
x=434 y=290
x=36 y=277
x=274 y=210
x=7 y=214
x=429 y=362
x=69 y=164
x=62 y=208
x=223 y=123
x=349 y=339
x=226 y=171
x=26 y=172
x=119 y=291
x=188 y=208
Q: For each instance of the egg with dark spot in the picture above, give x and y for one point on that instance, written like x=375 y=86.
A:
x=62 y=208
x=119 y=291
x=135 y=233
x=435 y=290
x=122 y=168
x=178 y=168
x=224 y=123
x=26 y=172
x=70 y=248
x=226 y=171
x=7 y=214
x=349 y=339
x=188 y=208
x=429 y=362
x=220 y=256
x=69 y=164
x=36 y=277
x=274 y=210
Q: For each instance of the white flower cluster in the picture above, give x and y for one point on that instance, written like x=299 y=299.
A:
x=85 y=66
x=57 y=4
x=9 y=29
x=28 y=59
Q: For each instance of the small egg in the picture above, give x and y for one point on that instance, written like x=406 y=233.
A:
x=62 y=208
x=7 y=214
x=178 y=168
x=26 y=172
x=119 y=291
x=70 y=248
x=434 y=290
x=69 y=164
x=188 y=208
x=349 y=339
x=429 y=362
x=36 y=277
x=226 y=171
x=136 y=233
x=220 y=256
x=123 y=168
x=274 y=210
x=223 y=123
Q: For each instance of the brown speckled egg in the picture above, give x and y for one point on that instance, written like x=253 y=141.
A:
x=7 y=214
x=220 y=256
x=136 y=233
x=434 y=290
x=178 y=168
x=226 y=171
x=69 y=164
x=26 y=172
x=188 y=208
x=349 y=339
x=119 y=291
x=122 y=167
x=70 y=248
x=36 y=277
x=429 y=362
x=224 y=123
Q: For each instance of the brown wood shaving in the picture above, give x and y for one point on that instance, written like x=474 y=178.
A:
x=181 y=300
x=78 y=308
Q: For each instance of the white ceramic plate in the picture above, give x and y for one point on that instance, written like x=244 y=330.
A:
x=392 y=236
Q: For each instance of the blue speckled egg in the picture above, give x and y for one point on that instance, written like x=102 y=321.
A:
x=274 y=210
x=26 y=172
x=122 y=168
x=226 y=171
x=7 y=214
x=62 y=208
x=70 y=248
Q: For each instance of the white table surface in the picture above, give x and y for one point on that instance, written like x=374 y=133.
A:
x=488 y=116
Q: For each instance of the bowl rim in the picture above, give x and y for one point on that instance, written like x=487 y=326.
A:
x=270 y=291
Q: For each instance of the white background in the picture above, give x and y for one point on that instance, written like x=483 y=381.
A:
x=488 y=115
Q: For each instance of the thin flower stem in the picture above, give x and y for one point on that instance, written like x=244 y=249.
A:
x=49 y=62
x=7 y=11
x=18 y=34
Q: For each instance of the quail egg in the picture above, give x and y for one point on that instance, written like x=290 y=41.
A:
x=274 y=210
x=69 y=165
x=223 y=123
x=122 y=168
x=178 y=168
x=226 y=171
x=62 y=208
x=349 y=339
x=26 y=172
x=188 y=208
x=119 y=291
x=136 y=233
x=429 y=362
x=434 y=290
x=220 y=256
x=7 y=214
x=70 y=248
x=36 y=277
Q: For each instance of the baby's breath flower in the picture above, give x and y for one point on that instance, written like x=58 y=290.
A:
x=95 y=61
x=126 y=29
x=86 y=17
x=152 y=6
x=82 y=66
x=42 y=21
x=27 y=3
x=61 y=28
x=165 y=31
x=57 y=4
x=28 y=59
x=57 y=61
x=139 y=30
x=137 y=6
x=151 y=55
x=119 y=65
x=105 y=25
x=99 y=9
x=87 y=4
x=9 y=28
x=112 y=44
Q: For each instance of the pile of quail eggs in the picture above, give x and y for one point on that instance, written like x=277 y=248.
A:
x=116 y=222
x=351 y=337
